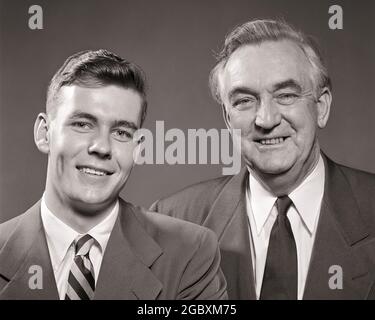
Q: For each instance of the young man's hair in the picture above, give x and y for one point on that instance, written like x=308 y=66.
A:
x=258 y=31
x=94 y=69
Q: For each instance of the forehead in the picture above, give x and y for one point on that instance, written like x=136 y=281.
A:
x=263 y=65
x=107 y=103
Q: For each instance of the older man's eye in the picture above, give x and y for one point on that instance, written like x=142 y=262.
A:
x=244 y=102
x=287 y=98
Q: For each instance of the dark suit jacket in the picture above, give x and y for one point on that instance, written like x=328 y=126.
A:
x=345 y=234
x=148 y=256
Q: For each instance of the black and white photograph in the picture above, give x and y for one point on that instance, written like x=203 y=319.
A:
x=207 y=150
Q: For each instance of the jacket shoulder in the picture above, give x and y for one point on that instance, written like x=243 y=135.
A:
x=358 y=178
x=362 y=186
x=193 y=202
x=200 y=189
x=159 y=225
x=362 y=183
x=8 y=227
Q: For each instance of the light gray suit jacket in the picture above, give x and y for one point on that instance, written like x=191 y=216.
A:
x=148 y=256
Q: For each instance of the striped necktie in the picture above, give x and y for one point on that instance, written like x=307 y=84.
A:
x=81 y=281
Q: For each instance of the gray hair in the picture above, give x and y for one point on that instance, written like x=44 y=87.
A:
x=258 y=31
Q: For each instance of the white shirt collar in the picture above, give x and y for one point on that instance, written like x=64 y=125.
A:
x=61 y=236
x=307 y=198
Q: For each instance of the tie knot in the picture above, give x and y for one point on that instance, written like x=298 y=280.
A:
x=283 y=203
x=84 y=244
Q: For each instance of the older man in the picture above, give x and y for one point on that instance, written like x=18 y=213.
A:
x=292 y=224
x=81 y=241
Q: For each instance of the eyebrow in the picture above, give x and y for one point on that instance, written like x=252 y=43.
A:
x=83 y=115
x=290 y=83
x=124 y=123
x=117 y=123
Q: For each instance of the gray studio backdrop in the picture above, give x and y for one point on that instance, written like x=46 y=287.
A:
x=174 y=42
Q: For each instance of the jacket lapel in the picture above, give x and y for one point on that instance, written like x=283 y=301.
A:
x=24 y=257
x=228 y=218
x=124 y=274
x=340 y=244
x=341 y=241
x=125 y=271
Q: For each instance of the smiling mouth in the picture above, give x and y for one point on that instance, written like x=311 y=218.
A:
x=271 y=141
x=94 y=171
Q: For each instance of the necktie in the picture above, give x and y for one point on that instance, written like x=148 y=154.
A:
x=81 y=281
x=281 y=273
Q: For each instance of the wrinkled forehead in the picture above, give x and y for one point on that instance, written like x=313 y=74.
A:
x=261 y=66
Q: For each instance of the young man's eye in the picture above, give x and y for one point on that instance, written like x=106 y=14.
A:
x=123 y=135
x=82 y=125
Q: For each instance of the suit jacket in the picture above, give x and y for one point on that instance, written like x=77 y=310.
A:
x=345 y=233
x=148 y=256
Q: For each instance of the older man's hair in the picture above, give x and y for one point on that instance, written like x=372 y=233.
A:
x=258 y=31
x=93 y=69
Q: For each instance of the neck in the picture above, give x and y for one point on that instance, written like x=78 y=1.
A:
x=285 y=183
x=80 y=217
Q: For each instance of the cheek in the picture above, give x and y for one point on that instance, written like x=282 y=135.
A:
x=65 y=148
x=124 y=156
x=241 y=120
x=305 y=127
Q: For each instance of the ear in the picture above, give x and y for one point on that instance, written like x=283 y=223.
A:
x=138 y=139
x=226 y=116
x=324 y=107
x=41 y=137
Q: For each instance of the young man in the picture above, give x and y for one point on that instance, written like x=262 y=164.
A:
x=85 y=241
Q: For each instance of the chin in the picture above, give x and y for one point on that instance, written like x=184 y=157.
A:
x=271 y=167
x=93 y=198
x=273 y=170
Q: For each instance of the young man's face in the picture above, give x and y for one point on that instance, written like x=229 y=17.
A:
x=90 y=144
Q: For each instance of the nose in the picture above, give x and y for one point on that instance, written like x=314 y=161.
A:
x=268 y=115
x=100 y=146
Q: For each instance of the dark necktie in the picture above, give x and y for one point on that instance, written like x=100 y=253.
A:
x=81 y=281
x=281 y=273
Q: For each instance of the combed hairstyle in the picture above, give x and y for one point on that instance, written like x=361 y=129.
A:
x=94 y=69
x=258 y=31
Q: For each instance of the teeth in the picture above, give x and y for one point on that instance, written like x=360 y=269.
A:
x=272 y=141
x=92 y=171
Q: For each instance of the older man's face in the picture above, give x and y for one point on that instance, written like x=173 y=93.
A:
x=268 y=93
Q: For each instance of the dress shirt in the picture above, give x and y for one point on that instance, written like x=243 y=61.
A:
x=303 y=216
x=60 y=240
